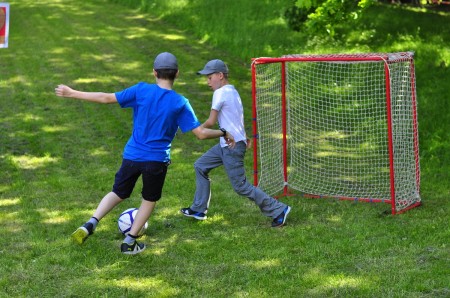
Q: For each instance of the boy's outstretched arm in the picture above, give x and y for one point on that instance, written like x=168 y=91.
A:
x=98 y=97
x=210 y=122
x=203 y=133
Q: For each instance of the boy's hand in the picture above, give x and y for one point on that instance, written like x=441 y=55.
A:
x=249 y=143
x=63 y=91
x=229 y=139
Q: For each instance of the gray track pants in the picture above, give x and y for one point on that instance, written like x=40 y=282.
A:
x=233 y=161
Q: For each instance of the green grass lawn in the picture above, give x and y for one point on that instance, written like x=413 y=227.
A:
x=58 y=158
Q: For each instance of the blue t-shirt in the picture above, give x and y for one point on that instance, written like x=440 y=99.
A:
x=157 y=114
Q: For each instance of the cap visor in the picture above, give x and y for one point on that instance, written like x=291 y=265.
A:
x=204 y=72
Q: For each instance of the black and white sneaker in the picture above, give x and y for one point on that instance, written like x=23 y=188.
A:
x=82 y=233
x=191 y=213
x=132 y=249
x=281 y=219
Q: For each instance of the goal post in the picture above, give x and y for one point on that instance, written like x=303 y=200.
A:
x=341 y=125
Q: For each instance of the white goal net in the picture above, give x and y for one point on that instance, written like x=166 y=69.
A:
x=341 y=126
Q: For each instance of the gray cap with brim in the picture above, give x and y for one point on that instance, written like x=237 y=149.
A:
x=165 y=61
x=214 y=66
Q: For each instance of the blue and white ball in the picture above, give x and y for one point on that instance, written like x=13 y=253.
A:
x=126 y=220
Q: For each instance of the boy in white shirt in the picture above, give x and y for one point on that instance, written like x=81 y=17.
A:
x=227 y=110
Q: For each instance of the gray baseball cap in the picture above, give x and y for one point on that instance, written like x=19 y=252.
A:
x=214 y=66
x=165 y=61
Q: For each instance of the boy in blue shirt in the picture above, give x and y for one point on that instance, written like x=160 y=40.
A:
x=158 y=112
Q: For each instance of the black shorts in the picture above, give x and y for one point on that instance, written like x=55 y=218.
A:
x=153 y=176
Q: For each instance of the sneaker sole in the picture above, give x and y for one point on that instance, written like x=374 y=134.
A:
x=134 y=252
x=199 y=217
x=285 y=216
x=194 y=216
x=80 y=235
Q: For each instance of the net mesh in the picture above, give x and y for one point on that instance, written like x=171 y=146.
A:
x=404 y=134
x=337 y=128
x=270 y=130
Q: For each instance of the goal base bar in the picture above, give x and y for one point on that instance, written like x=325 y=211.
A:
x=365 y=200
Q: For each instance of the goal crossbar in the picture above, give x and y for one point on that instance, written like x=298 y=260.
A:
x=340 y=125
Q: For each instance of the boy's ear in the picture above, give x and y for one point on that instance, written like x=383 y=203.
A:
x=154 y=73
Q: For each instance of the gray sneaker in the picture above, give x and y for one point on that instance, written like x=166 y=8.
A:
x=191 y=213
x=132 y=249
x=280 y=220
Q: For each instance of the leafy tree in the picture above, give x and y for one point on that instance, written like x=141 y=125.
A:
x=322 y=16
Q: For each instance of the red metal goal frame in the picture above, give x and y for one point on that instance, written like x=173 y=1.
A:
x=338 y=58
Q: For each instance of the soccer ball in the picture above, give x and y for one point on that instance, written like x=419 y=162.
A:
x=126 y=220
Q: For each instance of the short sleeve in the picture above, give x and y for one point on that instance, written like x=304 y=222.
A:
x=188 y=120
x=217 y=100
x=127 y=97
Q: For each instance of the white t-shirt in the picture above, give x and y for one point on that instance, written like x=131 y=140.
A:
x=227 y=102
